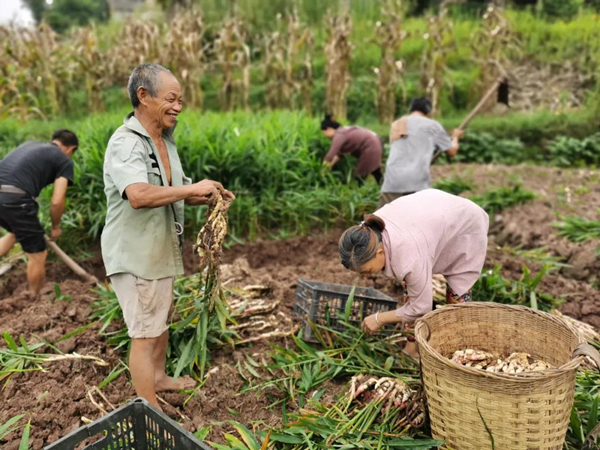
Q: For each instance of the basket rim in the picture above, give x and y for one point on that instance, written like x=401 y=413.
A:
x=422 y=334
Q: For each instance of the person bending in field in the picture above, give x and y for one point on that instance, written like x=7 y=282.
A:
x=414 y=142
x=142 y=240
x=358 y=142
x=24 y=172
x=412 y=238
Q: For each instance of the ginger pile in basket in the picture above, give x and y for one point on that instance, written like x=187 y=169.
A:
x=513 y=364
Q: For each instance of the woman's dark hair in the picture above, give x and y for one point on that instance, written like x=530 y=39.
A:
x=329 y=122
x=358 y=245
x=421 y=104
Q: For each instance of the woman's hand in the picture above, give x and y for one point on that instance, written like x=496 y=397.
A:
x=370 y=325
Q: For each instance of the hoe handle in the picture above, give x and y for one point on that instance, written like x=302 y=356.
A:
x=69 y=262
x=482 y=102
x=475 y=110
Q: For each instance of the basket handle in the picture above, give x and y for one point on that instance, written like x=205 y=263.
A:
x=585 y=349
x=424 y=322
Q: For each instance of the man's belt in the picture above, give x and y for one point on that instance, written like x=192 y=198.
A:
x=8 y=189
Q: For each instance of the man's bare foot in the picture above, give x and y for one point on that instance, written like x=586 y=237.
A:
x=170 y=384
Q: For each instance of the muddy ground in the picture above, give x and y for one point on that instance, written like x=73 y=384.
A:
x=56 y=400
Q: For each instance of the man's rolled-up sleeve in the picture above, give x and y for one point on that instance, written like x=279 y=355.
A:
x=441 y=139
x=186 y=180
x=419 y=285
x=126 y=164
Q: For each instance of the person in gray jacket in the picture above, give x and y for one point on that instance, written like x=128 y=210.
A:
x=415 y=140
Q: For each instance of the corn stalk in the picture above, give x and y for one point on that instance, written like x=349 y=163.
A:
x=184 y=53
x=232 y=57
x=493 y=44
x=338 y=51
x=139 y=42
x=287 y=64
x=439 y=43
x=91 y=63
x=389 y=36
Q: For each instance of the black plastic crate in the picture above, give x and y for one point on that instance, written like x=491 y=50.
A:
x=136 y=425
x=323 y=302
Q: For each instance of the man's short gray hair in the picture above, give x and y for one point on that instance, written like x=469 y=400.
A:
x=146 y=75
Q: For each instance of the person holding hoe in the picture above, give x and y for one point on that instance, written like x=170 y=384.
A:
x=24 y=172
x=415 y=140
x=146 y=190
x=412 y=238
x=358 y=142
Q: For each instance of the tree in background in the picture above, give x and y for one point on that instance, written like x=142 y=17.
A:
x=560 y=9
x=64 y=14
x=37 y=8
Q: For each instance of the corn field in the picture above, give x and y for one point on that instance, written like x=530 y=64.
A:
x=227 y=64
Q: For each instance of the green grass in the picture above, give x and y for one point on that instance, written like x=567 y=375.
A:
x=578 y=229
x=584 y=416
x=501 y=198
x=455 y=186
x=272 y=161
x=493 y=287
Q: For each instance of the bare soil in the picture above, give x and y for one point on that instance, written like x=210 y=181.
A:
x=56 y=400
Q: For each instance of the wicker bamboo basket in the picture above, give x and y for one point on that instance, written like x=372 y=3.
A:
x=470 y=407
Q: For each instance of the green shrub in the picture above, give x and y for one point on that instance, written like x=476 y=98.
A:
x=493 y=287
x=570 y=152
x=487 y=148
x=561 y=9
x=498 y=199
x=455 y=186
x=578 y=229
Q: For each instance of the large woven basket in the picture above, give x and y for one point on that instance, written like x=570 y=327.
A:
x=468 y=407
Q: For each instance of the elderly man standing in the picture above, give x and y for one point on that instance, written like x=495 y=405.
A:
x=141 y=243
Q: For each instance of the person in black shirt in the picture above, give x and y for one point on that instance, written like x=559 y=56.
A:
x=24 y=172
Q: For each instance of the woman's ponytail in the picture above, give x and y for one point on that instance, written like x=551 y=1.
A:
x=329 y=122
x=374 y=223
x=359 y=244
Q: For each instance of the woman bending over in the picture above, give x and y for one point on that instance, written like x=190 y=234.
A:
x=412 y=238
